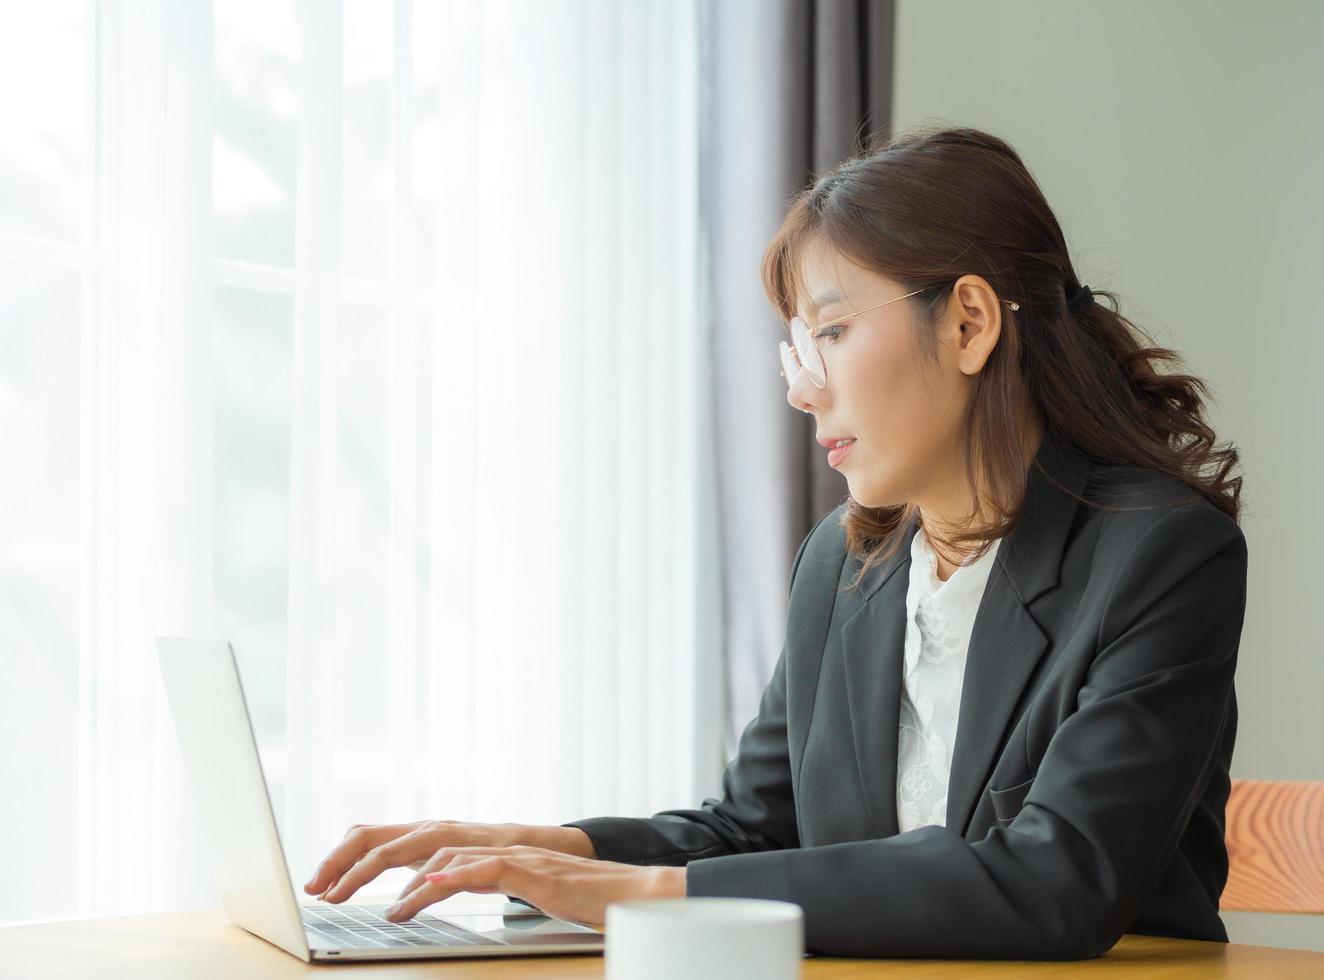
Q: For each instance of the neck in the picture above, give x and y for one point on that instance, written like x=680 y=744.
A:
x=940 y=529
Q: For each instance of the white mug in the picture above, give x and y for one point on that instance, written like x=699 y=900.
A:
x=704 y=939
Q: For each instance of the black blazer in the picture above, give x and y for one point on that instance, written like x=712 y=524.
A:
x=1090 y=770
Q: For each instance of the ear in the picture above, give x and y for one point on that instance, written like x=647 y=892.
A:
x=978 y=317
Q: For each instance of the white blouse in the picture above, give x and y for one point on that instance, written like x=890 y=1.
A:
x=939 y=618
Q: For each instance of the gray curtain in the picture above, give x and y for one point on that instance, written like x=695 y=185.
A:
x=788 y=89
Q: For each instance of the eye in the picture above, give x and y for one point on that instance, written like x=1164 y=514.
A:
x=829 y=333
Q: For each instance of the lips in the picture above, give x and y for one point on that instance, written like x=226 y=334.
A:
x=830 y=442
x=839 y=450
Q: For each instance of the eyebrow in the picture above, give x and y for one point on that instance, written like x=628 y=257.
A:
x=829 y=297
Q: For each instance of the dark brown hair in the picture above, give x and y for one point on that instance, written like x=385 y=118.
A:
x=930 y=206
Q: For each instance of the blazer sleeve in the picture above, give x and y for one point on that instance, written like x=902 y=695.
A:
x=1114 y=791
x=757 y=809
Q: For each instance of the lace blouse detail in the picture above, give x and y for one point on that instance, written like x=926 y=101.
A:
x=939 y=619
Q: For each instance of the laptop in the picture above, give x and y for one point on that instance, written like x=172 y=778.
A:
x=234 y=808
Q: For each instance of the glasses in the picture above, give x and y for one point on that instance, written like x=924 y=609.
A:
x=805 y=356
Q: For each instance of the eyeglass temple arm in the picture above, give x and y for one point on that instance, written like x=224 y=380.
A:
x=814 y=331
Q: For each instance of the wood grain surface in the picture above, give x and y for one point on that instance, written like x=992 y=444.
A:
x=1275 y=843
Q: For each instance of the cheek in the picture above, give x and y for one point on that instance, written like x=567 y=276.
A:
x=891 y=398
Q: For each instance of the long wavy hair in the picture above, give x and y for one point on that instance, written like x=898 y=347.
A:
x=931 y=205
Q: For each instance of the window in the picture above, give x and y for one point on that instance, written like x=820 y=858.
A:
x=357 y=334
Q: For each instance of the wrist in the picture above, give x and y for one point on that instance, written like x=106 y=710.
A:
x=667 y=882
x=567 y=840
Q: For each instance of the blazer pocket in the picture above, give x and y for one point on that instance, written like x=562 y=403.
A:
x=1008 y=802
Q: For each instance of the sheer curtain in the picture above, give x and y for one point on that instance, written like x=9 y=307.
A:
x=370 y=337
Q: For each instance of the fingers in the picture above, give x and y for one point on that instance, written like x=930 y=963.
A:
x=437 y=860
x=568 y=887
x=334 y=864
x=424 y=837
x=445 y=855
x=365 y=852
x=507 y=873
x=418 y=881
x=408 y=906
x=330 y=885
x=480 y=874
x=424 y=890
x=368 y=867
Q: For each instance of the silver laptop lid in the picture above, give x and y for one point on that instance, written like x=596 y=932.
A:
x=225 y=772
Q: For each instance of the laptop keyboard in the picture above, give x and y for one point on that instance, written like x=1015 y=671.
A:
x=357 y=926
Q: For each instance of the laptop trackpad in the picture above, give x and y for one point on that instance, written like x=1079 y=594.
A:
x=527 y=930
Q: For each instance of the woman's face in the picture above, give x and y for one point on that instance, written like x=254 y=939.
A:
x=903 y=409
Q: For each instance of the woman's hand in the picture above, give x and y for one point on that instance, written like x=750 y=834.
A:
x=574 y=888
x=370 y=849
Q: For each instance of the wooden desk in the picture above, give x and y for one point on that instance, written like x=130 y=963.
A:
x=198 y=945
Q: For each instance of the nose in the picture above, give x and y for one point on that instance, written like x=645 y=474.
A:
x=798 y=390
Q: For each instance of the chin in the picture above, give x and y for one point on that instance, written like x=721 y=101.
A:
x=873 y=494
x=870 y=497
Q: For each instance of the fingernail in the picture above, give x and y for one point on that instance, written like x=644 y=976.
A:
x=435 y=875
x=393 y=909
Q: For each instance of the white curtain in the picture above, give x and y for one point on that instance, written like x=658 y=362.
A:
x=369 y=337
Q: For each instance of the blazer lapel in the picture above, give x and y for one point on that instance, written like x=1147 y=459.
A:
x=1006 y=642
x=1005 y=645
x=873 y=637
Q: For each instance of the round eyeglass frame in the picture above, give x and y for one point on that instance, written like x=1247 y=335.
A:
x=805 y=354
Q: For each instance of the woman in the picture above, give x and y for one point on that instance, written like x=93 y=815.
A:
x=1010 y=451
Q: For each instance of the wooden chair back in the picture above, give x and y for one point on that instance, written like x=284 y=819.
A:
x=1275 y=845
